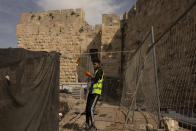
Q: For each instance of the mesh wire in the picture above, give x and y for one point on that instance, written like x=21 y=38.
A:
x=176 y=61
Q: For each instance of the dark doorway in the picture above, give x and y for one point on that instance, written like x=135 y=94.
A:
x=94 y=53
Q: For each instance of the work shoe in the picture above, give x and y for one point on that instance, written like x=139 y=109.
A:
x=93 y=128
x=87 y=127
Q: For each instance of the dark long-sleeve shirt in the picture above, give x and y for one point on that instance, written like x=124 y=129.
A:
x=98 y=75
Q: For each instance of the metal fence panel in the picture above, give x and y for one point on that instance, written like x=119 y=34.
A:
x=176 y=57
x=161 y=79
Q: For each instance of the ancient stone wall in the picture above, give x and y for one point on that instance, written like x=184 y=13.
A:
x=136 y=25
x=137 y=21
x=92 y=41
x=67 y=32
x=111 y=42
x=64 y=31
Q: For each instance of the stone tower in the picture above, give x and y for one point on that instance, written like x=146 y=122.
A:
x=66 y=31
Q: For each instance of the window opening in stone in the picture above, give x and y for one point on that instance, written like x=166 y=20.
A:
x=51 y=16
x=32 y=17
x=39 y=18
x=110 y=23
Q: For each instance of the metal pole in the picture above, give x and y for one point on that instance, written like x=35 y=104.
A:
x=133 y=103
x=156 y=78
x=127 y=118
x=131 y=106
x=137 y=81
x=133 y=113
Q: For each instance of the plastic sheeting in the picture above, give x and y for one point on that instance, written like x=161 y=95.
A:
x=29 y=100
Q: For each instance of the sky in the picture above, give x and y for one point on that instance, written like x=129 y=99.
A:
x=10 y=11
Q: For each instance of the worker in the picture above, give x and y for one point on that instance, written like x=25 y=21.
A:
x=94 y=93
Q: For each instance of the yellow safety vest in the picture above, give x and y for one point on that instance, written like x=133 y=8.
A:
x=97 y=87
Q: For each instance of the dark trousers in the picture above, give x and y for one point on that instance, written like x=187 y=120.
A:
x=90 y=106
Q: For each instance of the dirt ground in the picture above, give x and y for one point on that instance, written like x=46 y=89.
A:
x=108 y=118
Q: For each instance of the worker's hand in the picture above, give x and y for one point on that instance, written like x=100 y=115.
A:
x=7 y=77
x=88 y=74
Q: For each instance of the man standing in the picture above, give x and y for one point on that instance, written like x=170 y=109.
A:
x=94 y=93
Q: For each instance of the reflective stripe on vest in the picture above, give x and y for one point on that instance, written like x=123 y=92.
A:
x=97 y=87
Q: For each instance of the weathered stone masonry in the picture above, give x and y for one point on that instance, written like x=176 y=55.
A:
x=111 y=42
x=54 y=31
x=64 y=31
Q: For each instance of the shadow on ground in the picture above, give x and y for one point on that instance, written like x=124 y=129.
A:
x=72 y=126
